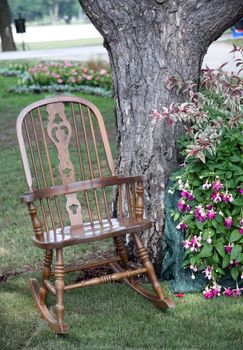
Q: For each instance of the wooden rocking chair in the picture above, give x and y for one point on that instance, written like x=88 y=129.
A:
x=70 y=176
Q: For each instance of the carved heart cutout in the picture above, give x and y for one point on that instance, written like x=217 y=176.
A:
x=74 y=208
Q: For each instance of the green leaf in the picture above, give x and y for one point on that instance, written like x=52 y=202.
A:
x=206 y=251
x=229 y=174
x=235 y=159
x=238 y=202
x=215 y=258
x=226 y=261
x=234 y=272
x=220 y=248
x=219 y=270
x=235 y=252
x=240 y=258
x=235 y=235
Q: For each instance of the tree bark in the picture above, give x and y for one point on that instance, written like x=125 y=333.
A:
x=6 y=34
x=149 y=41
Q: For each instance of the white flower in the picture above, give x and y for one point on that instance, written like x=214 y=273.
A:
x=194 y=268
x=221 y=213
x=209 y=240
x=193 y=276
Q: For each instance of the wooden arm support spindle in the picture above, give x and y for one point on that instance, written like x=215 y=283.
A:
x=37 y=226
x=139 y=201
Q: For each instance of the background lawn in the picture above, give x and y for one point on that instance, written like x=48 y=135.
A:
x=104 y=317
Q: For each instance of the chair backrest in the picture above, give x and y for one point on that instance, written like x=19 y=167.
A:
x=63 y=140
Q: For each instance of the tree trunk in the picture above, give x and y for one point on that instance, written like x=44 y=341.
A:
x=6 y=34
x=148 y=42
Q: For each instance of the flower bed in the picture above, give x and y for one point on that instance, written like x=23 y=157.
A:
x=210 y=181
x=61 y=76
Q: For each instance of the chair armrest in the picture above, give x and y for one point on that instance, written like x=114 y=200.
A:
x=28 y=197
x=82 y=186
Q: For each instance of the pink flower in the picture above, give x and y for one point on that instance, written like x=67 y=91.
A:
x=202 y=216
x=228 y=222
x=187 y=208
x=197 y=212
x=216 y=290
x=216 y=197
x=216 y=185
x=241 y=230
x=103 y=71
x=227 y=197
x=208 y=272
x=233 y=263
x=195 y=243
x=237 y=292
x=183 y=226
x=228 y=248
x=184 y=193
x=208 y=294
x=181 y=205
x=228 y=292
x=206 y=185
x=211 y=214
x=240 y=190
x=190 y=196
x=186 y=244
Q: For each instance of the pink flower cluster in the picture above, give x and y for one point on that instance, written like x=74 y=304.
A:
x=71 y=74
x=212 y=292
x=182 y=205
x=194 y=244
x=216 y=195
x=233 y=292
x=202 y=214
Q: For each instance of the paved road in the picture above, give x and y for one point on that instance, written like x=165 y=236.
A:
x=70 y=54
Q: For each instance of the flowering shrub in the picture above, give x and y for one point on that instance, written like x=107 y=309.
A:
x=69 y=73
x=61 y=76
x=211 y=179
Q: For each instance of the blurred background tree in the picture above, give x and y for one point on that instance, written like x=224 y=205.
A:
x=6 y=34
x=51 y=10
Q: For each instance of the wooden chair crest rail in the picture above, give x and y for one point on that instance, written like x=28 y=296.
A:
x=70 y=177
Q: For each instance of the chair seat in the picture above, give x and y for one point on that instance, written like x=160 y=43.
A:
x=71 y=235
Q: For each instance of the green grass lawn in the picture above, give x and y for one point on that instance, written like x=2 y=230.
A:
x=62 y=44
x=104 y=317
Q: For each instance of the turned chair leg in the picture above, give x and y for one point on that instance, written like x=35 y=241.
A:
x=144 y=257
x=121 y=249
x=45 y=275
x=59 y=285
